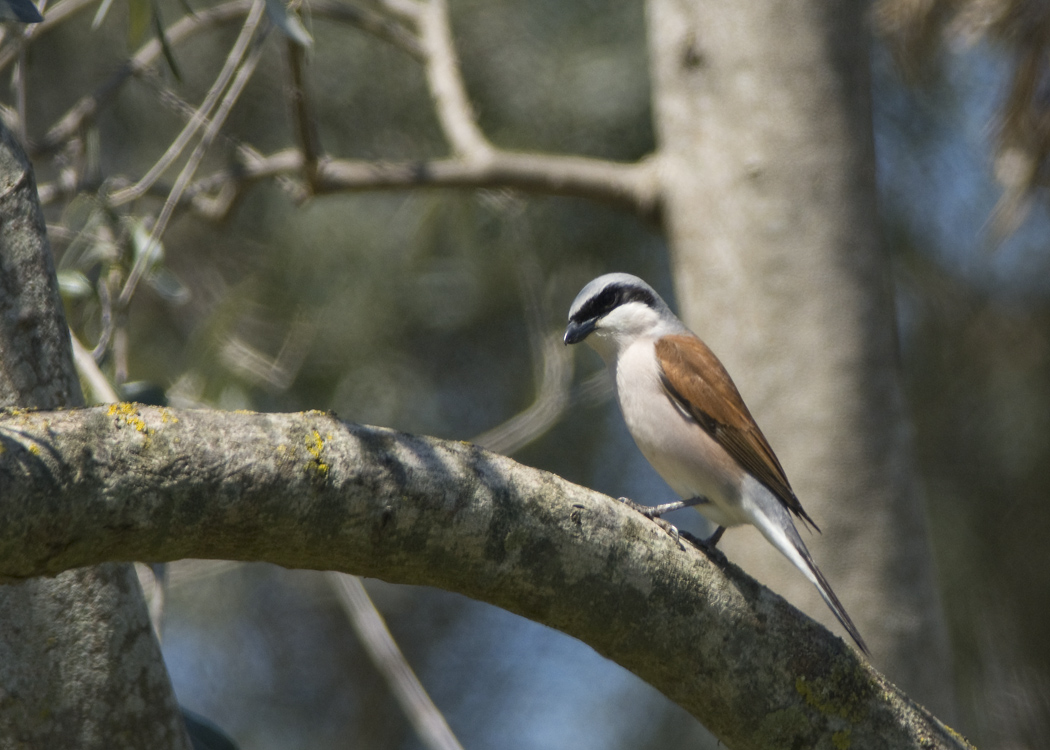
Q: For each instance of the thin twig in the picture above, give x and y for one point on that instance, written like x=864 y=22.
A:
x=232 y=94
x=200 y=116
x=100 y=390
x=54 y=17
x=382 y=649
x=120 y=347
x=88 y=106
x=373 y=23
x=305 y=122
x=105 y=298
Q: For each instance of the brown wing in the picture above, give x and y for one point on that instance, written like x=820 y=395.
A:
x=698 y=382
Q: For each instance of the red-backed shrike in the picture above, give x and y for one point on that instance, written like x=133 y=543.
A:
x=688 y=419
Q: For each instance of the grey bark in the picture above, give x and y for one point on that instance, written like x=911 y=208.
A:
x=308 y=491
x=79 y=666
x=763 y=116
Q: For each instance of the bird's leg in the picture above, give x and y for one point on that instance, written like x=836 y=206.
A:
x=712 y=541
x=655 y=511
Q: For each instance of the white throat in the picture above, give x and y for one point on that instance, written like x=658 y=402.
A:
x=627 y=324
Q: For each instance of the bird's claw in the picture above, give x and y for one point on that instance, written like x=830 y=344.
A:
x=653 y=513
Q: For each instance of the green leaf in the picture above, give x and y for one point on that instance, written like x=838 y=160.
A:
x=168 y=286
x=288 y=22
x=74 y=285
x=141 y=244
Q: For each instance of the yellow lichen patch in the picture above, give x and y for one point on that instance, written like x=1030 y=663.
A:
x=315 y=446
x=34 y=449
x=958 y=737
x=127 y=414
x=167 y=417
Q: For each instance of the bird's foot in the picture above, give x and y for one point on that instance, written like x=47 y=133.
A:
x=672 y=531
x=653 y=513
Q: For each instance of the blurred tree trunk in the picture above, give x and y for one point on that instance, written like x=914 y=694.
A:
x=764 y=120
x=79 y=665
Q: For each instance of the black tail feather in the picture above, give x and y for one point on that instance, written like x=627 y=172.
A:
x=833 y=601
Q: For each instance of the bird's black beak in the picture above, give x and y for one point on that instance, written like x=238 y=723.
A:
x=578 y=330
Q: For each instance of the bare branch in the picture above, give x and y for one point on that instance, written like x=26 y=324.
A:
x=446 y=84
x=107 y=282
x=88 y=106
x=244 y=73
x=430 y=725
x=630 y=186
x=305 y=122
x=203 y=20
x=368 y=21
x=308 y=491
x=100 y=391
x=203 y=112
x=633 y=187
x=56 y=15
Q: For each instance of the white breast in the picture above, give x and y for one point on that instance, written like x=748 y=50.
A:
x=688 y=459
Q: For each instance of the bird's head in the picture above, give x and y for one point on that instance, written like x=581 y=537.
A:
x=616 y=309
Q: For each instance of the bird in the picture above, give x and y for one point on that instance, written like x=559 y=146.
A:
x=690 y=422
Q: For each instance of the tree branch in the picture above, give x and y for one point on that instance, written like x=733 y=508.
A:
x=430 y=725
x=451 y=102
x=633 y=187
x=85 y=110
x=308 y=491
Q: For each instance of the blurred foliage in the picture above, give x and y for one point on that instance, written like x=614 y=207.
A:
x=410 y=310
x=915 y=30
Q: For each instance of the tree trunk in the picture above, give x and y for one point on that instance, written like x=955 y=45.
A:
x=79 y=665
x=764 y=120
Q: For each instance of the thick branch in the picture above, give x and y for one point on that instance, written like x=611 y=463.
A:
x=308 y=491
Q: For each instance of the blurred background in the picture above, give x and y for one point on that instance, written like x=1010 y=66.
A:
x=427 y=311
